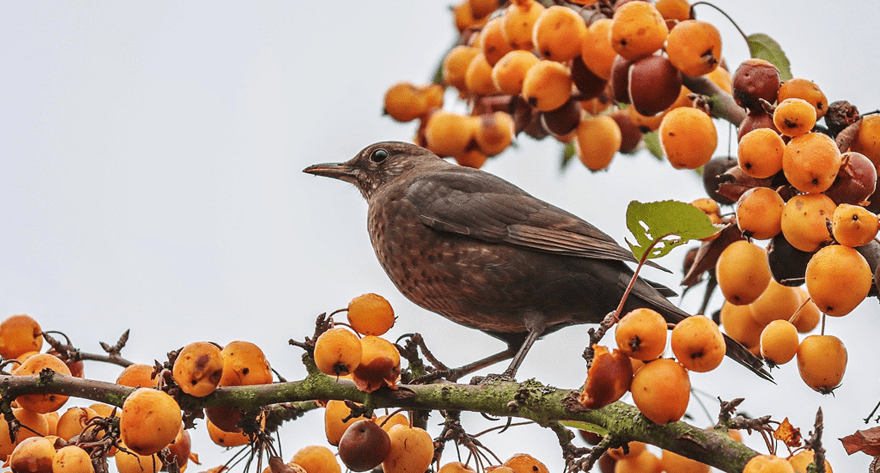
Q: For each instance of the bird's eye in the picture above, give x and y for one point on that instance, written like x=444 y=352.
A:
x=378 y=155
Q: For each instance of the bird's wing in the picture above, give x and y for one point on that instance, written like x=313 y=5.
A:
x=487 y=208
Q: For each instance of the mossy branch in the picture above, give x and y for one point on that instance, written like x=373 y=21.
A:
x=531 y=400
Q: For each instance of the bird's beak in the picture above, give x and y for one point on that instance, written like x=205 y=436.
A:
x=334 y=170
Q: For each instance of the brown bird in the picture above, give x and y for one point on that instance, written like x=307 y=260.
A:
x=482 y=252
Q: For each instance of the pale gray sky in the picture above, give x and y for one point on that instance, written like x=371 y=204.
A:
x=150 y=178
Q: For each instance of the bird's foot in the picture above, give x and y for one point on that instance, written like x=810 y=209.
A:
x=492 y=379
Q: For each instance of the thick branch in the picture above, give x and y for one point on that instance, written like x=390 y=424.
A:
x=528 y=400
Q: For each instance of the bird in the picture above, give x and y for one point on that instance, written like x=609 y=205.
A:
x=483 y=253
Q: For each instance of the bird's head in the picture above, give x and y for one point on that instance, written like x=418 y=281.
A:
x=377 y=165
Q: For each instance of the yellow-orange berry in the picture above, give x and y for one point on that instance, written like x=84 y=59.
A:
x=495 y=133
x=370 y=314
x=198 y=368
x=316 y=459
x=492 y=41
x=767 y=464
x=694 y=47
x=19 y=334
x=150 y=420
x=547 y=85
x=743 y=272
x=33 y=455
x=244 y=364
x=777 y=302
x=760 y=153
x=379 y=366
x=821 y=362
x=455 y=65
x=801 y=460
x=641 y=334
x=687 y=136
x=698 y=344
x=41 y=403
x=675 y=463
x=853 y=225
x=807 y=317
x=806 y=90
x=478 y=76
x=72 y=459
x=810 y=162
x=337 y=352
x=661 y=390
x=867 y=139
x=334 y=427
x=596 y=50
x=448 y=133
x=412 y=450
x=638 y=30
x=509 y=72
x=740 y=325
x=608 y=378
x=673 y=11
x=525 y=463
x=794 y=117
x=804 y=221
x=598 y=140
x=779 y=341
x=519 y=22
x=759 y=213
x=137 y=376
x=838 y=279
x=558 y=33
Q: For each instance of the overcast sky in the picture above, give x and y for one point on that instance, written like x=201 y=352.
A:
x=150 y=178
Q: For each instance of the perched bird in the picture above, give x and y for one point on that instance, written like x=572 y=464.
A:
x=482 y=252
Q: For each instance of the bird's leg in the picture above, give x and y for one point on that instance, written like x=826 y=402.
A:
x=454 y=374
x=535 y=333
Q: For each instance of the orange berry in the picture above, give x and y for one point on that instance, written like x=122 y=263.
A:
x=455 y=467
x=41 y=403
x=596 y=50
x=598 y=140
x=478 y=76
x=698 y=344
x=853 y=225
x=334 y=427
x=36 y=424
x=448 y=133
x=806 y=90
x=760 y=153
x=518 y=23
x=779 y=341
x=608 y=378
x=673 y=10
x=759 y=213
x=337 y=352
x=804 y=221
x=661 y=390
x=370 y=314
x=73 y=422
x=72 y=459
x=808 y=314
x=694 y=47
x=867 y=139
x=721 y=77
x=19 y=334
x=455 y=65
x=838 y=279
x=405 y=102
x=634 y=448
x=495 y=133
x=150 y=420
x=687 y=136
x=412 y=450
x=137 y=376
x=675 y=463
x=316 y=459
x=547 y=85
x=638 y=30
x=198 y=368
x=509 y=72
x=131 y=462
x=492 y=41
x=810 y=162
x=225 y=438
x=525 y=463
x=801 y=460
x=777 y=302
x=794 y=117
x=822 y=362
x=33 y=455
x=641 y=334
x=244 y=364
x=379 y=366
x=743 y=272
x=740 y=325
x=558 y=33
x=472 y=158
x=767 y=464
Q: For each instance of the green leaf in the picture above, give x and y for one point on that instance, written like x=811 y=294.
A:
x=669 y=223
x=568 y=153
x=652 y=143
x=577 y=424
x=764 y=47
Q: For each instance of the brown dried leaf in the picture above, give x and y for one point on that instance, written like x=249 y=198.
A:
x=867 y=441
x=788 y=434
